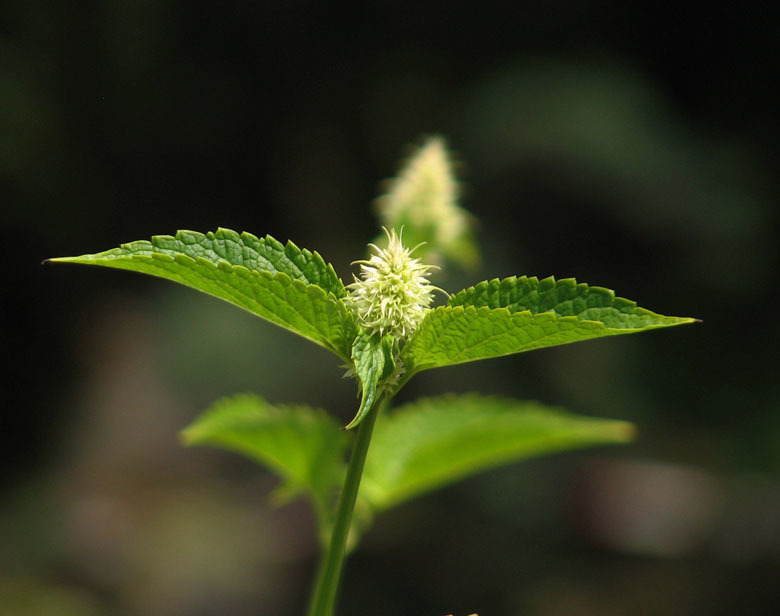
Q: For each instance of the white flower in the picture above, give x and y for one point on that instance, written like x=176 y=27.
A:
x=423 y=199
x=393 y=293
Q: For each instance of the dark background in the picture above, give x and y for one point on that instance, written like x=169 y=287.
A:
x=631 y=145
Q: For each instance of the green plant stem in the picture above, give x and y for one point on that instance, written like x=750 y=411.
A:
x=329 y=573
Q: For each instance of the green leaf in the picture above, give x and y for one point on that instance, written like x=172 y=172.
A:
x=436 y=441
x=373 y=358
x=304 y=446
x=290 y=287
x=501 y=317
x=239 y=249
x=565 y=298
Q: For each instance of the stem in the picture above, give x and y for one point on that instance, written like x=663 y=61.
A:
x=329 y=573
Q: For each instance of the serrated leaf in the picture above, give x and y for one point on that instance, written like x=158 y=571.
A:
x=502 y=317
x=564 y=298
x=436 y=441
x=303 y=445
x=290 y=287
x=239 y=249
x=373 y=359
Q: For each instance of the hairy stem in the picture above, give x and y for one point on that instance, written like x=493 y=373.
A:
x=327 y=581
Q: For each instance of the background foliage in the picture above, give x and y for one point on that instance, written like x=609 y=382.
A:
x=626 y=146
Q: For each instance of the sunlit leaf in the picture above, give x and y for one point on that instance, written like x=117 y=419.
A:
x=436 y=441
x=290 y=287
x=502 y=317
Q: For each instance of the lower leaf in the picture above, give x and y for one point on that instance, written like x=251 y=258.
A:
x=436 y=441
x=303 y=445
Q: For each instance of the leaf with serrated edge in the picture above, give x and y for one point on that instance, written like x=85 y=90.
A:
x=303 y=445
x=243 y=249
x=290 y=287
x=373 y=357
x=502 y=317
x=564 y=298
x=436 y=441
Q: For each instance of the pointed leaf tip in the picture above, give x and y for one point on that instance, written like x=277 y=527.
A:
x=291 y=287
x=502 y=317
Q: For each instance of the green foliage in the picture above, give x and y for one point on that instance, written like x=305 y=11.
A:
x=374 y=362
x=304 y=446
x=435 y=441
x=290 y=287
x=502 y=317
x=426 y=444
x=565 y=298
x=416 y=448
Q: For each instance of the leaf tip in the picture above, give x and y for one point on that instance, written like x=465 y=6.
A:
x=186 y=438
x=355 y=420
x=685 y=320
x=56 y=260
x=625 y=432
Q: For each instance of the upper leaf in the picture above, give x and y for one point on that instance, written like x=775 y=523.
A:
x=435 y=441
x=243 y=249
x=290 y=287
x=501 y=317
x=301 y=444
x=565 y=298
x=373 y=357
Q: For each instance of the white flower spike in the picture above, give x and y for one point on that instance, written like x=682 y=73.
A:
x=393 y=292
x=424 y=199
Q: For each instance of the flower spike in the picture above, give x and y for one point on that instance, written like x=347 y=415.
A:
x=393 y=292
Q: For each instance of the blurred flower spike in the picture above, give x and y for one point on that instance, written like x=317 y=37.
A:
x=423 y=201
x=393 y=293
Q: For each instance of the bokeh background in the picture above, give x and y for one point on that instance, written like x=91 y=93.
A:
x=631 y=145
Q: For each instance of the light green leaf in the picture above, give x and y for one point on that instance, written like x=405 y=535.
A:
x=373 y=357
x=290 y=287
x=436 y=441
x=501 y=317
x=304 y=446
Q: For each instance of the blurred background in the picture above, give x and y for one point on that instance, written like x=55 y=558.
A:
x=631 y=145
